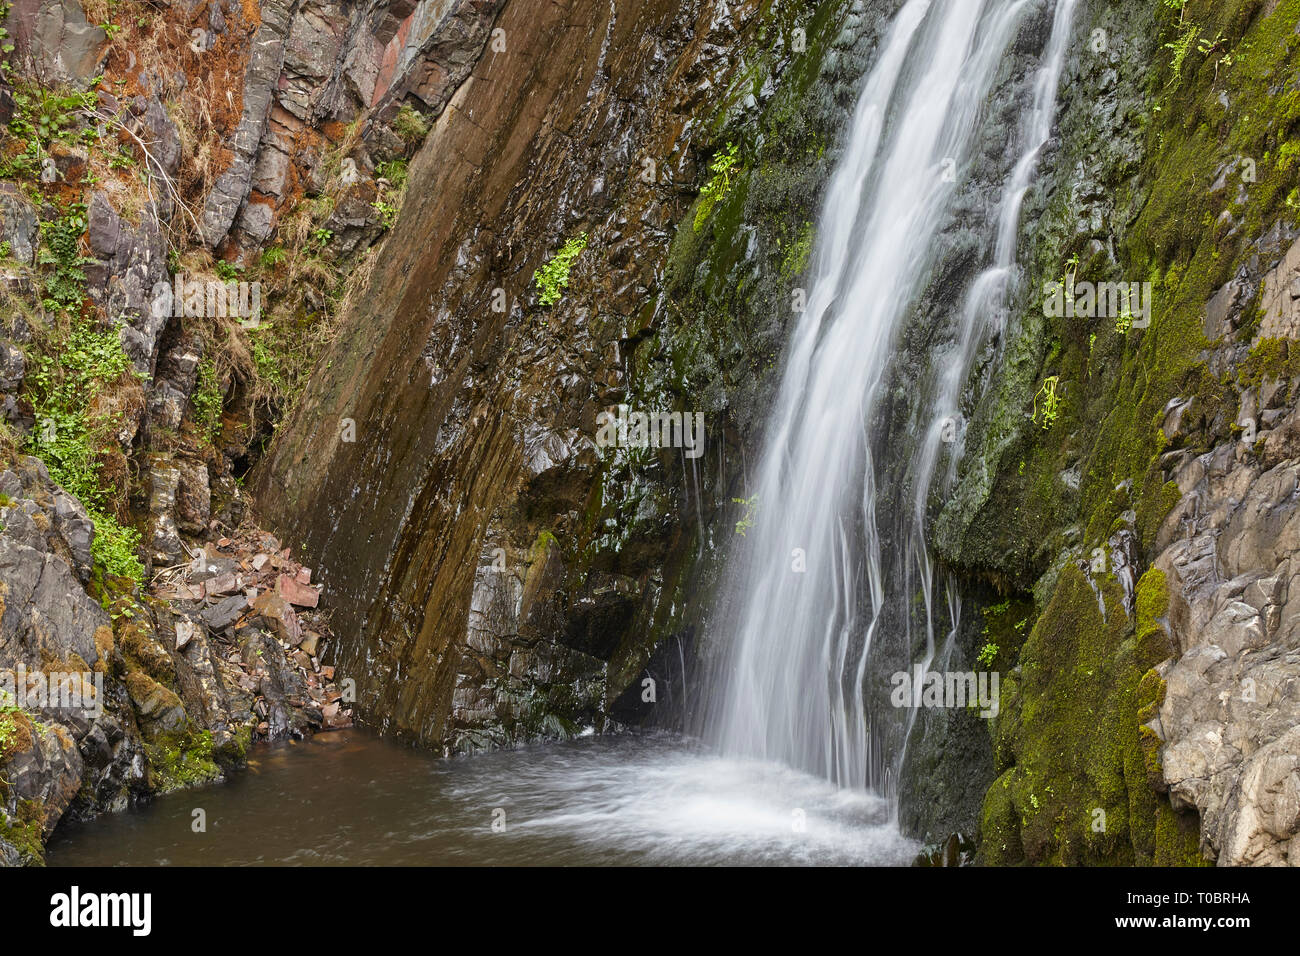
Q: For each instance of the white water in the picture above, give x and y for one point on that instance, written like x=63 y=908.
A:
x=798 y=681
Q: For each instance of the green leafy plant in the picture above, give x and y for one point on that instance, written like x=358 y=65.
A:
x=228 y=271
x=387 y=212
x=64 y=385
x=716 y=189
x=64 y=278
x=1047 y=402
x=207 y=401
x=1180 y=48
x=273 y=257
x=747 y=519
x=553 y=277
x=394 y=172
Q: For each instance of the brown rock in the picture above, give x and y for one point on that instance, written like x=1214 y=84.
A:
x=295 y=593
x=277 y=612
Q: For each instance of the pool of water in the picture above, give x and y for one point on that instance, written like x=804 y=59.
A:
x=354 y=798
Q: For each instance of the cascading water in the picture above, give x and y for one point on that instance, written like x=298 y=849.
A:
x=802 y=678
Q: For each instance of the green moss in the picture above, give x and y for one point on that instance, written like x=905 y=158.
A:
x=1269 y=359
x=182 y=760
x=25 y=831
x=1074 y=785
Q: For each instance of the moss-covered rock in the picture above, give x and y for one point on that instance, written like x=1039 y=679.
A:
x=1074 y=785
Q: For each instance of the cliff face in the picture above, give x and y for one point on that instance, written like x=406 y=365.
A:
x=242 y=158
x=464 y=526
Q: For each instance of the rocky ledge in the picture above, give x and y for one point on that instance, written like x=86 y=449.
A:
x=168 y=688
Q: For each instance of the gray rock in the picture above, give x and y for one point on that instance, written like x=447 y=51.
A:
x=18 y=224
x=225 y=612
x=54 y=42
x=12 y=367
x=260 y=81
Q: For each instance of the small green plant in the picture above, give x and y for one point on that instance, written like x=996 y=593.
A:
x=273 y=257
x=207 y=402
x=269 y=369
x=796 y=256
x=1180 y=48
x=64 y=279
x=387 y=212
x=553 y=277
x=409 y=124
x=716 y=189
x=987 y=655
x=1047 y=402
x=228 y=271
x=1124 y=321
x=393 y=172
x=68 y=437
x=747 y=519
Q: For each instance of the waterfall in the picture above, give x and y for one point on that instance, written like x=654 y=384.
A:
x=827 y=595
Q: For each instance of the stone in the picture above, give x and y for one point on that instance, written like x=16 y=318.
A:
x=193 y=497
x=295 y=593
x=280 y=616
x=225 y=612
x=12 y=367
x=18 y=224
x=53 y=40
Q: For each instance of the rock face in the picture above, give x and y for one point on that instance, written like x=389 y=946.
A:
x=53 y=39
x=167 y=699
x=210 y=121
x=313 y=63
x=439 y=426
x=1230 y=719
x=479 y=542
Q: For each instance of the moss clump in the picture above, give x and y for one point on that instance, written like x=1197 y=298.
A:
x=1269 y=359
x=181 y=761
x=1074 y=785
x=15 y=733
x=1152 y=604
x=25 y=831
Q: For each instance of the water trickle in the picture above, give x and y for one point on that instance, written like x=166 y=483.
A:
x=801 y=676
